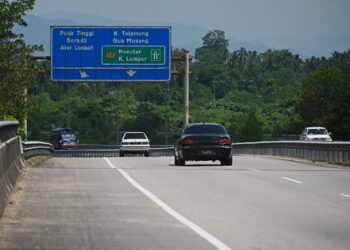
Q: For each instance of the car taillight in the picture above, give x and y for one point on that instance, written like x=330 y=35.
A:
x=224 y=141
x=145 y=142
x=188 y=142
x=125 y=143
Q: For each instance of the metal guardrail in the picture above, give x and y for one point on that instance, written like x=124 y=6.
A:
x=162 y=151
x=36 y=148
x=95 y=146
x=154 y=152
x=334 y=152
x=86 y=153
x=108 y=146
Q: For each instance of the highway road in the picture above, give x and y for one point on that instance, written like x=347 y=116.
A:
x=148 y=203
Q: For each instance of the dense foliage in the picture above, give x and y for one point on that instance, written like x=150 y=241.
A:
x=325 y=100
x=17 y=70
x=256 y=96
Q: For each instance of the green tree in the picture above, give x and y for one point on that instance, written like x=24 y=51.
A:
x=341 y=61
x=251 y=130
x=214 y=49
x=246 y=70
x=147 y=120
x=325 y=102
x=17 y=70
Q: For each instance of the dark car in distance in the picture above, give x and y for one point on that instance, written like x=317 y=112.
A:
x=203 y=142
x=64 y=138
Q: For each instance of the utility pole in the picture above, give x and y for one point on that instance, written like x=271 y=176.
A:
x=187 y=58
x=186 y=110
x=166 y=120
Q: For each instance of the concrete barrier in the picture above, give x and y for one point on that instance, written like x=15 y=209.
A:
x=11 y=160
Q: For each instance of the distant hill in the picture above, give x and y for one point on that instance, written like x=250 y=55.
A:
x=38 y=29
x=183 y=35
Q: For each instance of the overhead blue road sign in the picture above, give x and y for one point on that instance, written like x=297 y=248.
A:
x=91 y=53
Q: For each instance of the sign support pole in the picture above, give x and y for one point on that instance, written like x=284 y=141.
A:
x=69 y=106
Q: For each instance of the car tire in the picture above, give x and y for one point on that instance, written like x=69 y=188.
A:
x=182 y=162
x=226 y=162
x=146 y=154
x=121 y=154
x=176 y=161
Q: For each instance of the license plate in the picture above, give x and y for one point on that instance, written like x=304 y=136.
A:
x=206 y=152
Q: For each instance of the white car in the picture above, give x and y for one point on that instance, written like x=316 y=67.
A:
x=315 y=134
x=134 y=143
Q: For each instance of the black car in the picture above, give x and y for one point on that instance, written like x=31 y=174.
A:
x=203 y=142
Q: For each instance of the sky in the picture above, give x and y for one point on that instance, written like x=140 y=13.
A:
x=242 y=19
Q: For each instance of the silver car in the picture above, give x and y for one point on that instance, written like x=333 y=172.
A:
x=315 y=134
x=134 y=143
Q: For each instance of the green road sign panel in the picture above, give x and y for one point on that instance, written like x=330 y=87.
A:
x=129 y=55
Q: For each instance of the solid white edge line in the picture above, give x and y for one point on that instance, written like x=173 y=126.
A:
x=292 y=180
x=345 y=195
x=197 y=229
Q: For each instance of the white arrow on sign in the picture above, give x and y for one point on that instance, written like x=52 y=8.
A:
x=131 y=72
x=83 y=74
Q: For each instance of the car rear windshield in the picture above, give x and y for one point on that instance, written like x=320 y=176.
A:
x=319 y=131
x=205 y=129
x=135 y=136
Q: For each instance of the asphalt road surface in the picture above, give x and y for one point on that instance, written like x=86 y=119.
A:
x=148 y=203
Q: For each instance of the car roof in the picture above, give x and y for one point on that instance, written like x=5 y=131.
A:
x=203 y=123
x=133 y=132
x=315 y=128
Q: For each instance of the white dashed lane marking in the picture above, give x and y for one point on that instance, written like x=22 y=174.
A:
x=292 y=180
x=255 y=170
